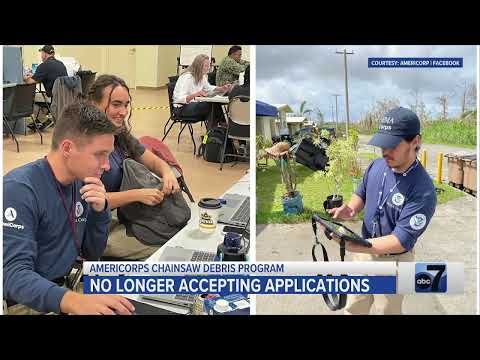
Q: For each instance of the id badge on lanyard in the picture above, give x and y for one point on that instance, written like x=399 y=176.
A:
x=70 y=212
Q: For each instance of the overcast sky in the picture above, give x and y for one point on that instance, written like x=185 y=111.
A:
x=291 y=74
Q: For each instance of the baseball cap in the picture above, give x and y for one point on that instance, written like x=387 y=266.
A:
x=397 y=124
x=48 y=49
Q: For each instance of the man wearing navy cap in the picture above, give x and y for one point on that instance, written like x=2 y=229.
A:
x=48 y=71
x=399 y=200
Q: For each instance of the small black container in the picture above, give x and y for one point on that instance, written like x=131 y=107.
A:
x=332 y=204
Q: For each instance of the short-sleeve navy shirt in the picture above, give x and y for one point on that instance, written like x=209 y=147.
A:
x=404 y=210
x=48 y=71
x=112 y=179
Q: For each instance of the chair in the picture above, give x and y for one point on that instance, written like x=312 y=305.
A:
x=8 y=97
x=45 y=103
x=66 y=90
x=184 y=121
x=22 y=105
x=88 y=78
x=238 y=125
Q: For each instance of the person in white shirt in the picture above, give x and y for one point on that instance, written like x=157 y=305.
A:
x=193 y=83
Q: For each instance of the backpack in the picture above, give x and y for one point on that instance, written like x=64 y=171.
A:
x=310 y=155
x=212 y=146
x=151 y=225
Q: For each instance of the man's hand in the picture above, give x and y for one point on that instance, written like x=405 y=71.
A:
x=85 y=304
x=149 y=196
x=170 y=183
x=94 y=193
x=343 y=212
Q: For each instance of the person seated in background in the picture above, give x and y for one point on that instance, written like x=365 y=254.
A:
x=111 y=95
x=244 y=89
x=231 y=67
x=193 y=83
x=56 y=211
x=46 y=73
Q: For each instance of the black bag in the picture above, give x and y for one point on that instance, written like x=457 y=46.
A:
x=310 y=155
x=151 y=225
x=212 y=148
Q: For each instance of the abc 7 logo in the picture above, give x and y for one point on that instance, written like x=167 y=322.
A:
x=423 y=281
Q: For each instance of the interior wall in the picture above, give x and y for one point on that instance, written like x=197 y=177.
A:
x=153 y=65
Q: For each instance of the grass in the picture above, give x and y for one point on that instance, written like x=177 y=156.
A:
x=270 y=190
x=368 y=155
x=453 y=132
x=457 y=133
x=449 y=193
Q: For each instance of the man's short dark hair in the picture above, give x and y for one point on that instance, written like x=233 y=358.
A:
x=234 y=49
x=409 y=139
x=81 y=120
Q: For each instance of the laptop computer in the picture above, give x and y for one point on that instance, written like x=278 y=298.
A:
x=179 y=254
x=236 y=211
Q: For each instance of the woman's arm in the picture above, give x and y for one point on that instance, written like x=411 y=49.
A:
x=146 y=196
x=161 y=169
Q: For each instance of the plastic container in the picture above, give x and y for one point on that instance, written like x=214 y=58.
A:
x=470 y=173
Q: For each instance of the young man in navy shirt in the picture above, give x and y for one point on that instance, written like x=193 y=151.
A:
x=55 y=209
x=399 y=200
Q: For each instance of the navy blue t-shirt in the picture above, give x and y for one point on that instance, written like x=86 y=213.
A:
x=404 y=211
x=38 y=243
x=48 y=71
x=112 y=179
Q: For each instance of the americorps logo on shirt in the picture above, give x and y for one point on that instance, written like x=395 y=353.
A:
x=11 y=215
x=418 y=221
x=398 y=199
x=78 y=209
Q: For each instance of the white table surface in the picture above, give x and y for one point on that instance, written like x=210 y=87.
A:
x=191 y=237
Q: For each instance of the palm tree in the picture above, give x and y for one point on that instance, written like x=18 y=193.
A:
x=303 y=111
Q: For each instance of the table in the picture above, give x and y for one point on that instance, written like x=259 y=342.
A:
x=190 y=237
x=218 y=99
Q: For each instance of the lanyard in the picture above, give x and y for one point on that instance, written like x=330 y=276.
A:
x=381 y=203
x=71 y=212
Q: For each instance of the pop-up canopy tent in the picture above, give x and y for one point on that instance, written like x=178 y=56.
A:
x=264 y=109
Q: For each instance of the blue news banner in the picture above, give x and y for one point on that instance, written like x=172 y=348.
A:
x=243 y=284
x=415 y=62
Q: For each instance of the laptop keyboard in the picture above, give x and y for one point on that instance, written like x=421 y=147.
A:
x=186 y=297
x=243 y=213
x=202 y=256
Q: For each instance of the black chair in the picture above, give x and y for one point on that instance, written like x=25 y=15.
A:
x=8 y=97
x=238 y=125
x=88 y=78
x=184 y=121
x=22 y=105
x=45 y=103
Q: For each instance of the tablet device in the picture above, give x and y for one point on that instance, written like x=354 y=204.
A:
x=342 y=231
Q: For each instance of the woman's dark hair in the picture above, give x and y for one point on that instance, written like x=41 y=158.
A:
x=96 y=93
x=234 y=49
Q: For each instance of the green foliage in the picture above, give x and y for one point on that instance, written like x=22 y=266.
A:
x=342 y=164
x=451 y=132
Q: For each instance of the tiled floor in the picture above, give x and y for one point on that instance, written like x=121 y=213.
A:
x=203 y=178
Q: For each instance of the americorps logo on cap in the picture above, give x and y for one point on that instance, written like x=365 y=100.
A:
x=10 y=214
x=78 y=209
x=418 y=221
x=398 y=199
